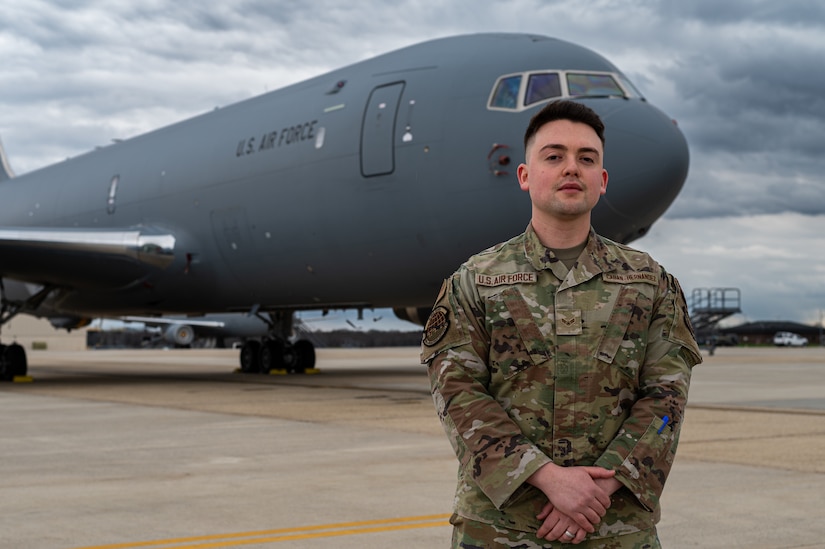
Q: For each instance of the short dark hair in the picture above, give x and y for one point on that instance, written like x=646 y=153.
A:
x=563 y=109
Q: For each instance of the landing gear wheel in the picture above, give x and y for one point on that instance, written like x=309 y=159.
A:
x=273 y=353
x=250 y=352
x=290 y=359
x=304 y=352
x=13 y=361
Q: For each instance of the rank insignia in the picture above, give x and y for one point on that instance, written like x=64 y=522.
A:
x=568 y=322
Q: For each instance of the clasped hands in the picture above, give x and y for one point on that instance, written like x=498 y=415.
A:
x=578 y=499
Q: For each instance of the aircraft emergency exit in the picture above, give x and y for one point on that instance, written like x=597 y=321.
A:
x=361 y=188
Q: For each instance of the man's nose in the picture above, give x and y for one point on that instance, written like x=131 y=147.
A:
x=571 y=166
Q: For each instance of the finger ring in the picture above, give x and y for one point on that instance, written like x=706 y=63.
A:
x=569 y=534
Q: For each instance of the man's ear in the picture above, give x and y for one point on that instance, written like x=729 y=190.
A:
x=522 y=177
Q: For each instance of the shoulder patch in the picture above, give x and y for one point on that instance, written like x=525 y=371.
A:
x=437 y=325
x=630 y=278
x=505 y=278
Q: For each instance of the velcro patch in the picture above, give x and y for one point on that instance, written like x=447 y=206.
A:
x=505 y=278
x=630 y=278
x=437 y=326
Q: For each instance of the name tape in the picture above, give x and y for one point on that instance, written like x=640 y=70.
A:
x=629 y=278
x=505 y=278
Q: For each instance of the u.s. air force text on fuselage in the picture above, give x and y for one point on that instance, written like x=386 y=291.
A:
x=270 y=140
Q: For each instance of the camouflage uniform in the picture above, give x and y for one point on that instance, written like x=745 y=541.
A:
x=469 y=534
x=531 y=364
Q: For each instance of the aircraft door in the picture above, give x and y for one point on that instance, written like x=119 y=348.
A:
x=231 y=231
x=378 y=130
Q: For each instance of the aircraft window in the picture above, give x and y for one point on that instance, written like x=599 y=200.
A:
x=628 y=85
x=580 y=84
x=110 y=203
x=517 y=92
x=542 y=86
x=506 y=93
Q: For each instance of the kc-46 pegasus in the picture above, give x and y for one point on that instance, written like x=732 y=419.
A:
x=361 y=188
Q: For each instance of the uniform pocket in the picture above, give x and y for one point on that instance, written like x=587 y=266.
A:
x=625 y=336
x=515 y=339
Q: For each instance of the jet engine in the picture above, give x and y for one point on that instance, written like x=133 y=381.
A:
x=181 y=335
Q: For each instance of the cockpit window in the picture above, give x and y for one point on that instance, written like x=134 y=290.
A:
x=517 y=92
x=593 y=84
x=506 y=93
x=542 y=86
x=629 y=87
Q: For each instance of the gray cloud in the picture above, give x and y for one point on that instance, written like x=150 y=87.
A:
x=788 y=12
x=773 y=259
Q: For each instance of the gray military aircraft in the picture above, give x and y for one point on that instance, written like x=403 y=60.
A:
x=361 y=188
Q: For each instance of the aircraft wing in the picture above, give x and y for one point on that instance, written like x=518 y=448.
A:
x=164 y=321
x=182 y=331
x=83 y=258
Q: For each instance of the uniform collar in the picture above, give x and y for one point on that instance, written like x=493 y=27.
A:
x=596 y=258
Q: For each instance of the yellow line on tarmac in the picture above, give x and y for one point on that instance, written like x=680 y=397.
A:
x=287 y=534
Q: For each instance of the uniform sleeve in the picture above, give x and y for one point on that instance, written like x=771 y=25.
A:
x=491 y=449
x=642 y=453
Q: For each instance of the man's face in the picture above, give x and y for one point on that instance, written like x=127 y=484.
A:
x=564 y=171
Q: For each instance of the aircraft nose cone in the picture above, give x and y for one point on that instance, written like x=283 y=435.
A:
x=647 y=159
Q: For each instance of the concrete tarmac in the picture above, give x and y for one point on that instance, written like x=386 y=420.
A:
x=170 y=449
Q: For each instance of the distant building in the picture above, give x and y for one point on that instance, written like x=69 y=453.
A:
x=762 y=332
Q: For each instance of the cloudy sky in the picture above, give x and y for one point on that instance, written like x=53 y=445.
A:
x=744 y=78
